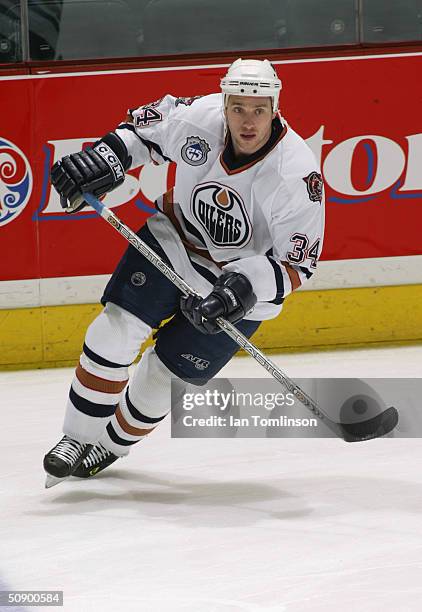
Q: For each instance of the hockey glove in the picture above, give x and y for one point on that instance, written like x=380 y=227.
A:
x=97 y=169
x=231 y=298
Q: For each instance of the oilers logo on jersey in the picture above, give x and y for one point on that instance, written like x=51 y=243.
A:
x=222 y=213
x=195 y=151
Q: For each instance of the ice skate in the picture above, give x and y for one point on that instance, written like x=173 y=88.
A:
x=95 y=461
x=62 y=460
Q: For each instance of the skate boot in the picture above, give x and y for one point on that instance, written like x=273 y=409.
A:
x=62 y=460
x=95 y=461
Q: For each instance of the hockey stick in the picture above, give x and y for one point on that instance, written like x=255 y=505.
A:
x=371 y=428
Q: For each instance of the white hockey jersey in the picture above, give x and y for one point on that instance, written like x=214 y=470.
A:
x=262 y=215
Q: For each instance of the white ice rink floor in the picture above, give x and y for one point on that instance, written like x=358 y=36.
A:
x=221 y=525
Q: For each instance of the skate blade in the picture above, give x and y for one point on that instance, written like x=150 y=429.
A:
x=52 y=481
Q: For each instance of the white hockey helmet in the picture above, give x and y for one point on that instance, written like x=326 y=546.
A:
x=249 y=77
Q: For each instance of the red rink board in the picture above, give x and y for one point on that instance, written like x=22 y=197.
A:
x=367 y=110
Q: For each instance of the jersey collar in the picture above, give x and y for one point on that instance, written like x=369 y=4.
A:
x=233 y=165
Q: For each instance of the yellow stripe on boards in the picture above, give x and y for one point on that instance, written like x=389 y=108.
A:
x=345 y=317
x=53 y=336
x=21 y=337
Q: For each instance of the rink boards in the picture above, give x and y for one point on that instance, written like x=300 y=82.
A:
x=368 y=286
x=49 y=336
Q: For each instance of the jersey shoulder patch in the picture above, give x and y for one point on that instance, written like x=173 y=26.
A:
x=186 y=101
x=314 y=185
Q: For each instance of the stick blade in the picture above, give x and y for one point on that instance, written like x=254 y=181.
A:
x=378 y=426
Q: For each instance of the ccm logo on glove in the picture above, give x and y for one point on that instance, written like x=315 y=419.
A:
x=111 y=159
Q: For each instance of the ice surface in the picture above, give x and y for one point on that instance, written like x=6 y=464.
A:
x=221 y=525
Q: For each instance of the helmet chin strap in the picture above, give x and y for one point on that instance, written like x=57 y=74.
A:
x=223 y=110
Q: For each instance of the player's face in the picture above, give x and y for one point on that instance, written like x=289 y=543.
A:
x=249 y=121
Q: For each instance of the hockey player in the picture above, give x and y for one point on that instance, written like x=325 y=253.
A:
x=243 y=225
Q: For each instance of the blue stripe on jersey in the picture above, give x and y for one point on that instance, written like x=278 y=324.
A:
x=306 y=272
x=117 y=439
x=155 y=147
x=138 y=415
x=101 y=361
x=203 y=271
x=91 y=408
x=150 y=145
x=192 y=230
x=279 y=296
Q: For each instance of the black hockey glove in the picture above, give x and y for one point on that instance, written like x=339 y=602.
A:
x=231 y=298
x=97 y=169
